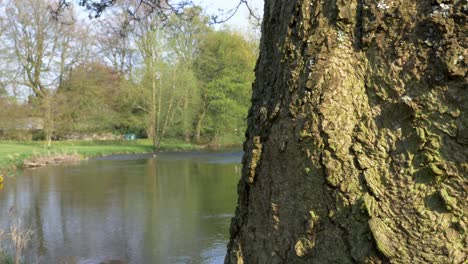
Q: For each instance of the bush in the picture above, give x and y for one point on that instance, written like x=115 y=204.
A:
x=18 y=135
x=38 y=135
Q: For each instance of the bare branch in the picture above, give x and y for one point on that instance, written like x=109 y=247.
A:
x=230 y=13
x=162 y=8
x=142 y=108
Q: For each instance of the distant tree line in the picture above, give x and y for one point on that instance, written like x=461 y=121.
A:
x=161 y=77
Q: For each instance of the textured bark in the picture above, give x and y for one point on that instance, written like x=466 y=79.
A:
x=357 y=139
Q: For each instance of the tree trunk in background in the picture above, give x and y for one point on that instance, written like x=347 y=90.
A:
x=357 y=139
x=169 y=113
x=154 y=115
x=198 y=127
x=48 y=117
x=186 y=121
x=186 y=124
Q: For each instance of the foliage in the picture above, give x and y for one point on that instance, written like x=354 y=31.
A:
x=39 y=49
x=89 y=100
x=166 y=77
x=225 y=69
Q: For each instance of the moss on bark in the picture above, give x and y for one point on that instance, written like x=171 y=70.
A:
x=365 y=155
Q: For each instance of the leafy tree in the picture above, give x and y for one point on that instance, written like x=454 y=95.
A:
x=185 y=33
x=88 y=100
x=149 y=40
x=224 y=67
x=156 y=75
x=5 y=119
x=14 y=120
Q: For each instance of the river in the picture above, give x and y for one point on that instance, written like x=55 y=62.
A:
x=174 y=208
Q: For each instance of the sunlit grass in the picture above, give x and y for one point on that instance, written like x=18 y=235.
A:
x=13 y=153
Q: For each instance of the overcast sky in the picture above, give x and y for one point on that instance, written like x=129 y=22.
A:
x=240 y=19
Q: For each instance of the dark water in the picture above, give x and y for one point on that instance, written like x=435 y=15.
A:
x=175 y=208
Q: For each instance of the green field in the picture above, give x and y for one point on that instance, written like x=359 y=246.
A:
x=13 y=153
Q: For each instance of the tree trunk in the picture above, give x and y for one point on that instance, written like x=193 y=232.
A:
x=357 y=139
x=158 y=116
x=186 y=123
x=198 y=127
x=169 y=113
x=154 y=115
x=48 y=118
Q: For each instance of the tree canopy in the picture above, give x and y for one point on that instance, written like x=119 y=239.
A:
x=169 y=75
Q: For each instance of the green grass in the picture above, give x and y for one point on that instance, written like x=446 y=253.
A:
x=13 y=153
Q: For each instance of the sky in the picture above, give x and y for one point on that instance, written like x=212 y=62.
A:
x=212 y=7
x=240 y=19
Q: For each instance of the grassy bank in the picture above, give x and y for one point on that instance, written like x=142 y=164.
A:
x=14 y=153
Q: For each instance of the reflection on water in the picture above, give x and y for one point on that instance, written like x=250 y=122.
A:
x=175 y=208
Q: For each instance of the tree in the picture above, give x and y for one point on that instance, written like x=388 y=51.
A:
x=357 y=138
x=186 y=32
x=5 y=105
x=39 y=45
x=13 y=117
x=88 y=100
x=148 y=38
x=224 y=67
x=113 y=40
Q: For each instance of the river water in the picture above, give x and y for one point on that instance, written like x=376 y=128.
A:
x=175 y=208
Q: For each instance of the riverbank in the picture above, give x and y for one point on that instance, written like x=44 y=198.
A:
x=17 y=155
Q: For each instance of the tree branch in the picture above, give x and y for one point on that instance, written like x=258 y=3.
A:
x=163 y=8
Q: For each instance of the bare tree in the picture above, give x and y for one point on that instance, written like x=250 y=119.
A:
x=113 y=39
x=40 y=47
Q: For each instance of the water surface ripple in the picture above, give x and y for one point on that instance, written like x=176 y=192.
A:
x=175 y=208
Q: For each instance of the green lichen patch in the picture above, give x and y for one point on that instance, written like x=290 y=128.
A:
x=303 y=247
x=373 y=182
x=311 y=221
x=255 y=158
x=370 y=205
x=384 y=237
x=450 y=202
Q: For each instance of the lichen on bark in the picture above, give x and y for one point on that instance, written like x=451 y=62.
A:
x=364 y=156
